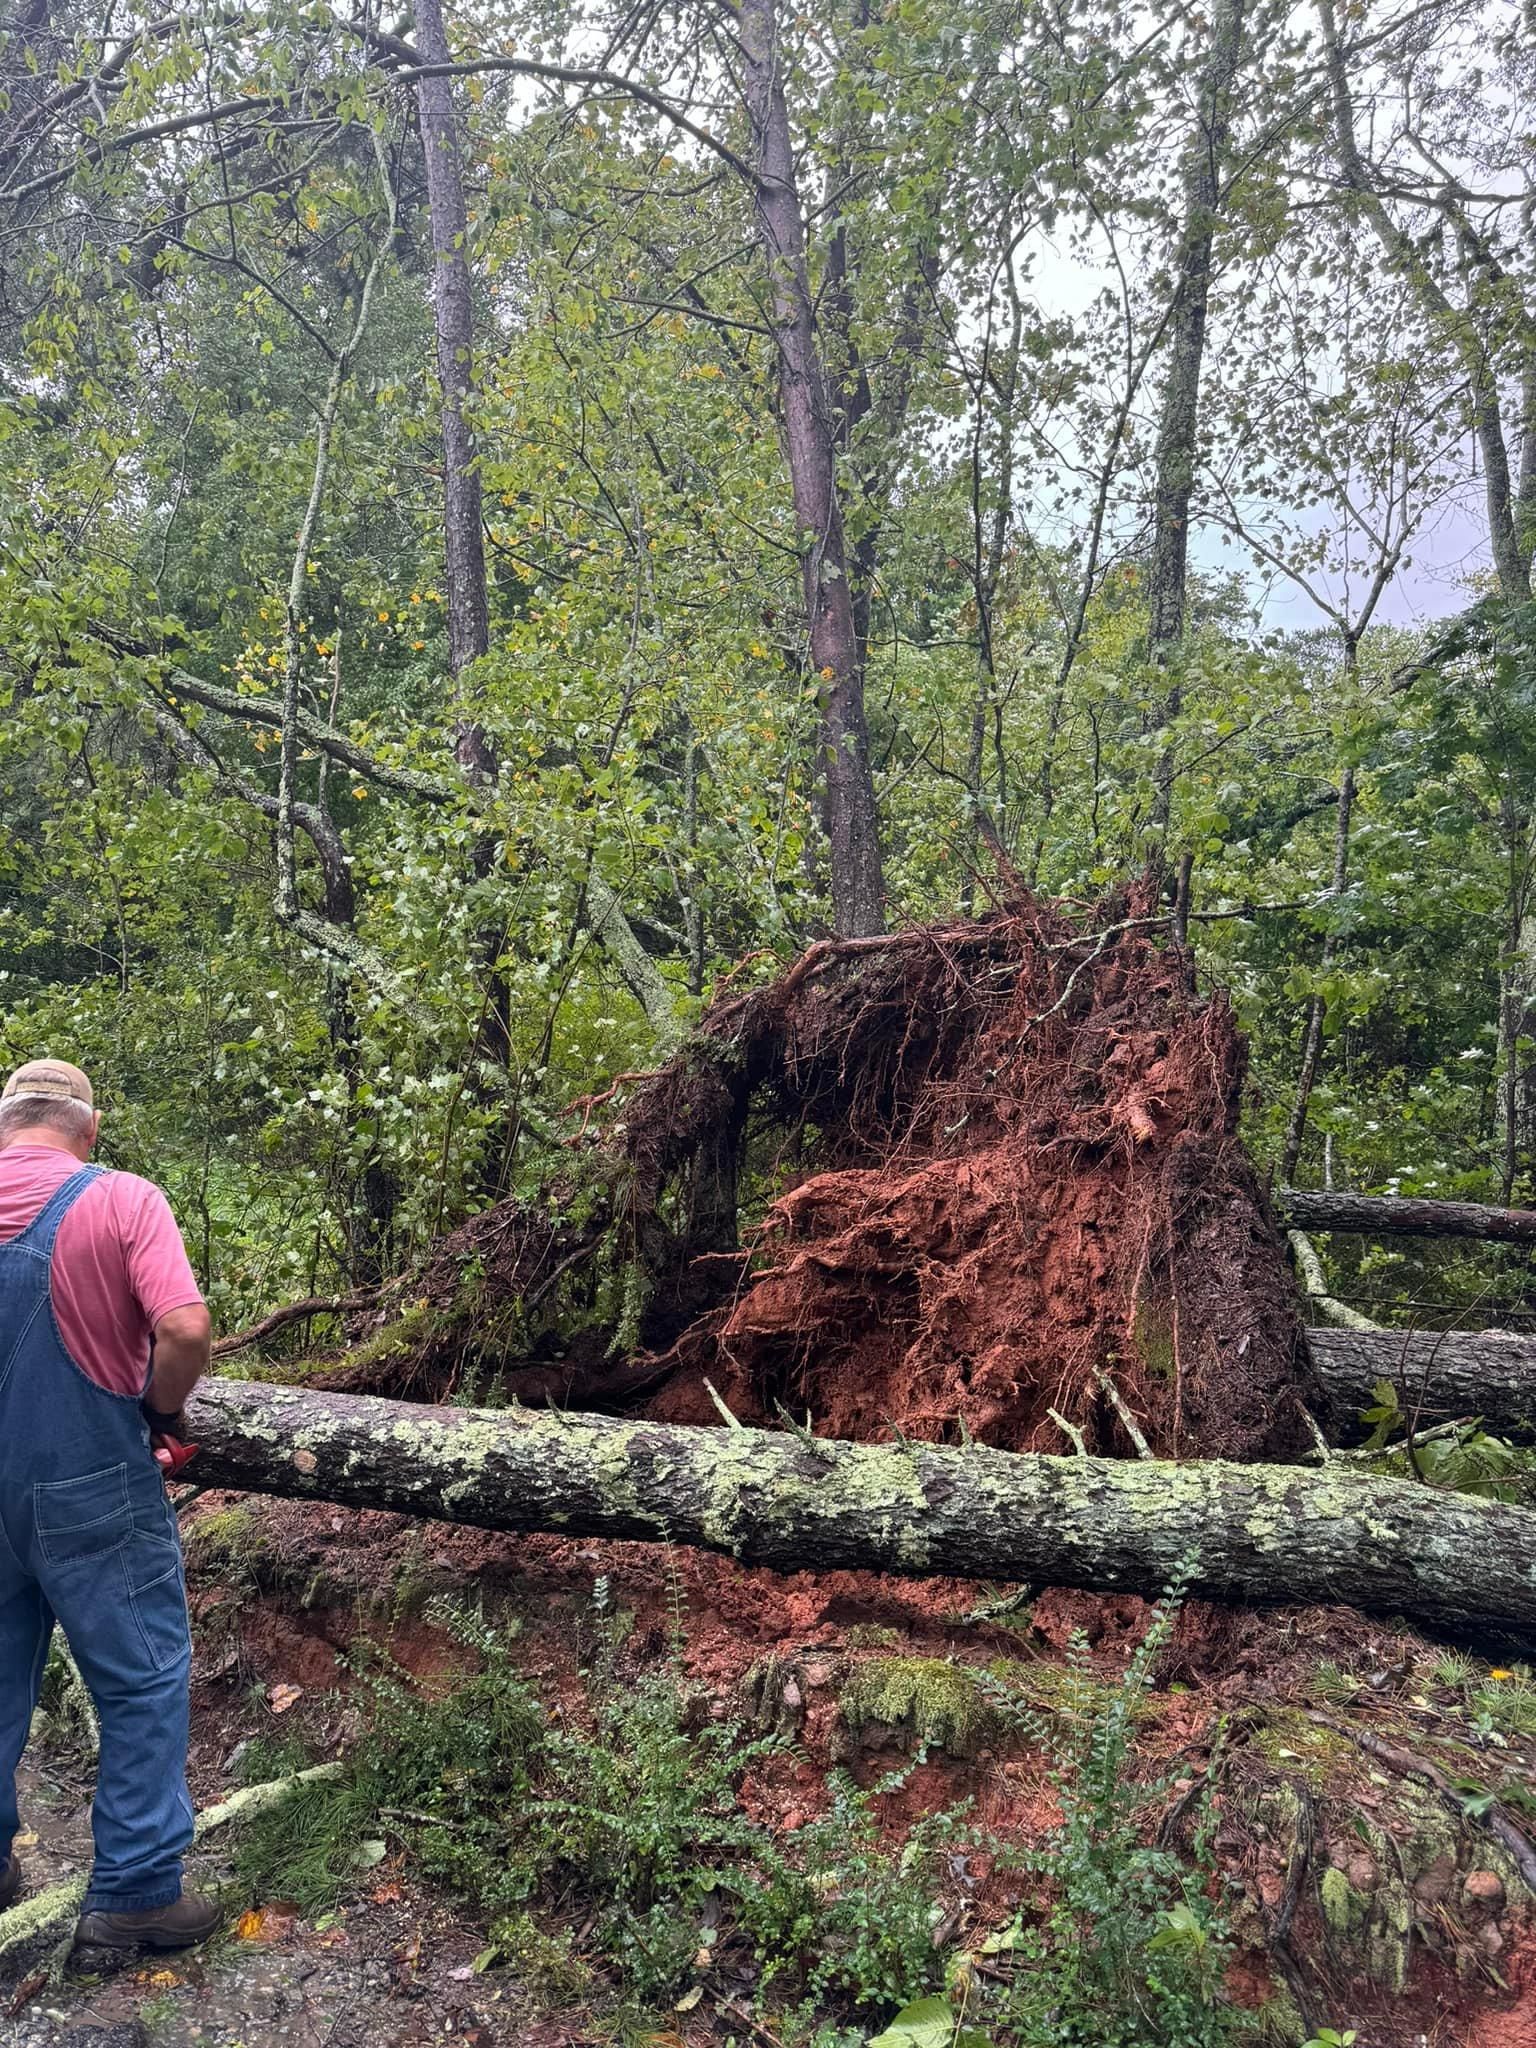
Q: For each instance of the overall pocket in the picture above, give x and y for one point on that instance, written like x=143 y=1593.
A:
x=157 y=1595
x=85 y=1517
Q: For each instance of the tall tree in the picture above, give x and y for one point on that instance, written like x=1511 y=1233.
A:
x=1178 y=429
x=453 y=314
x=810 y=443
x=1490 y=332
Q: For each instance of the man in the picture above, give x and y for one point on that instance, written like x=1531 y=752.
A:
x=103 y=1334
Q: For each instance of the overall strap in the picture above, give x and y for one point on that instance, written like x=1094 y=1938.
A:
x=41 y=1231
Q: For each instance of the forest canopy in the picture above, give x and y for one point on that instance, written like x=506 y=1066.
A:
x=509 y=519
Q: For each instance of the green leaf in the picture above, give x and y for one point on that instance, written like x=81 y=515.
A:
x=927 y=2023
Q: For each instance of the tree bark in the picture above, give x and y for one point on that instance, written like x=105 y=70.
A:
x=453 y=312
x=1254 y=1532
x=1178 y=429
x=1312 y=1037
x=1444 y=1375
x=1403 y=1216
x=810 y=442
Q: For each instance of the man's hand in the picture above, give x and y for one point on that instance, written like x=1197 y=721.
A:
x=171 y=1453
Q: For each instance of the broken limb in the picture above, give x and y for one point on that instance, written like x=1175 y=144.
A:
x=1259 y=1533
x=1315 y=1280
x=1403 y=1216
x=1448 y=1373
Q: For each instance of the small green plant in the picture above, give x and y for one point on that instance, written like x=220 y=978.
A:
x=846 y=1920
x=1330 y=2037
x=1129 y=1951
x=1498 y=1700
x=930 y=2023
x=1462 y=1459
x=1455 y=1670
x=545 y=1963
x=1505 y=1702
x=641 y=1817
x=1331 y=1682
x=632 y=1818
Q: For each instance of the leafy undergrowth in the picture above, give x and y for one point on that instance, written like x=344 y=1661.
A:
x=677 y=1800
x=609 y=1853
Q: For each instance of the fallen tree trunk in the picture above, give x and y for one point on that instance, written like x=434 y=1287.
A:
x=1255 y=1532
x=1442 y=1374
x=1402 y=1216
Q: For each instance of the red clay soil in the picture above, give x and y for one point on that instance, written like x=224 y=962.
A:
x=1515 y=2026
x=332 y=1576
x=1025 y=1181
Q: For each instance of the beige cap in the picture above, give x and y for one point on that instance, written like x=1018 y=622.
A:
x=56 y=1079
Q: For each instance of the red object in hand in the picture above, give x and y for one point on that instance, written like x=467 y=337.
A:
x=171 y=1454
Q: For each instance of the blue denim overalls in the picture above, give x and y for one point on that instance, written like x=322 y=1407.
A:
x=88 y=1536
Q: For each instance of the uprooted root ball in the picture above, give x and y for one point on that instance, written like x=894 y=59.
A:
x=1005 y=1196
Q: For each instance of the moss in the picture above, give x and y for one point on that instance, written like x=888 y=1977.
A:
x=927 y=1702
x=544 y=1963
x=232 y=1535
x=1299 y=1747
x=1344 y=1909
x=1153 y=1334
x=870 y=1635
x=1389 y=1937
x=275 y=1372
x=396 y=1340
x=1280 y=2024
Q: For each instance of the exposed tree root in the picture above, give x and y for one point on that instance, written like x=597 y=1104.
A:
x=1513 y=1840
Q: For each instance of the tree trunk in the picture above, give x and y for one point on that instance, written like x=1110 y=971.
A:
x=1312 y=1037
x=1517 y=981
x=453 y=313
x=1178 y=431
x=810 y=441
x=1511 y=550
x=1254 y=1532
x=1444 y=1375
x=1403 y=1216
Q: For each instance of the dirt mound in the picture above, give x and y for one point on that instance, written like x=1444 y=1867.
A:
x=998 y=1189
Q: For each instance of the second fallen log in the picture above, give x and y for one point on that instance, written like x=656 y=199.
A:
x=1439 y=1376
x=1262 y=1533
x=1402 y=1216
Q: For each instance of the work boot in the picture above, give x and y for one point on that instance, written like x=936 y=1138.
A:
x=185 y=1922
x=10 y=1882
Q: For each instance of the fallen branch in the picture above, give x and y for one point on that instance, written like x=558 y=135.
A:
x=1485 y=1374
x=1403 y=1216
x=1262 y=1533
x=1315 y=1281
x=294 y=1312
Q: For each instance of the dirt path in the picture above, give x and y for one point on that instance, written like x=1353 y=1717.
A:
x=390 y=1973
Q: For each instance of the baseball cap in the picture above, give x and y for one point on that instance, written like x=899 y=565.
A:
x=56 y=1079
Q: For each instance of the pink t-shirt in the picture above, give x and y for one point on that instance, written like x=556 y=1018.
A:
x=119 y=1264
